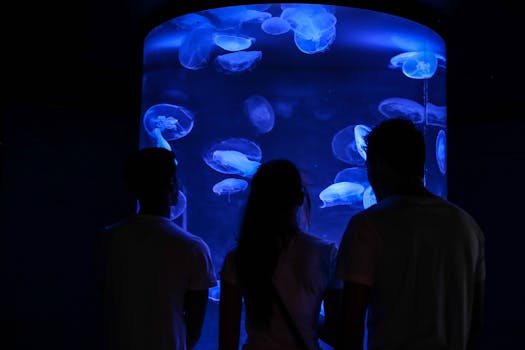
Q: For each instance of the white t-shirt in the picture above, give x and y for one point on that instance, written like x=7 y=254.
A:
x=304 y=272
x=150 y=264
x=421 y=256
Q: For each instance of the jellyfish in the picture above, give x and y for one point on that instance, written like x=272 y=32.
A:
x=236 y=163
x=441 y=151
x=179 y=208
x=167 y=122
x=238 y=62
x=275 y=26
x=234 y=156
x=260 y=112
x=196 y=48
x=401 y=107
x=313 y=26
x=360 y=132
x=416 y=64
x=341 y=193
x=229 y=186
x=369 y=197
x=231 y=42
x=354 y=174
x=436 y=115
x=284 y=108
x=344 y=146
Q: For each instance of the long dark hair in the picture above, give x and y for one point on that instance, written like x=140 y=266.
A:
x=268 y=224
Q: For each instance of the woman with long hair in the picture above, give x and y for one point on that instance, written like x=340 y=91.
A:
x=275 y=259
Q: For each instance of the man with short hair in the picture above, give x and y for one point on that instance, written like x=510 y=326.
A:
x=154 y=275
x=412 y=264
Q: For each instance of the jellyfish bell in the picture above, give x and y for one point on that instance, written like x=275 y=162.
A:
x=344 y=146
x=179 y=208
x=369 y=197
x=341 y=193
x=354 y=174
x=237 y=62
x=416 y=64
x=196 y=48
x=260 y=113
x=402 y=107
x=229 y=186
x=169 y=121
x=275 y=26
x=441 y=151
x=234 y=156
x=361 y=131
x=234 y=162
x=231 y=42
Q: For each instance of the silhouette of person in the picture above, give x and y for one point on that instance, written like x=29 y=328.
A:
x=273 y=249
x=154 y=275
x=413 y=263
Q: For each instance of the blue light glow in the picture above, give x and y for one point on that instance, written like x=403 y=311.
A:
x=275 y=26
x=231 y=42
x=260 y=113
x=402 y=107
x=360 y=132
x=238 y=62
x=441 y=151
x=342 y=193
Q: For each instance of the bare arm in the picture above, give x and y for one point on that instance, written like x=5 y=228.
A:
x=195 y=303
x=230 y=309
x=355 y=303
x=478 y=311
x=332 y=312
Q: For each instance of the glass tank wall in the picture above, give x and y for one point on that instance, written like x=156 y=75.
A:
x=229 y=88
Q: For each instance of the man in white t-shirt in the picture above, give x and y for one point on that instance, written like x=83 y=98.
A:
x=154 y=276
x=413 y=264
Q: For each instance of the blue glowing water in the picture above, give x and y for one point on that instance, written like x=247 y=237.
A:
x=229 y=88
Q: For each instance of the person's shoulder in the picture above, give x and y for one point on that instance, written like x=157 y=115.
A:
x=187 y=237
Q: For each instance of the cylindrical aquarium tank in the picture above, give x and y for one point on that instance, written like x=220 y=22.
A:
x=228 y=88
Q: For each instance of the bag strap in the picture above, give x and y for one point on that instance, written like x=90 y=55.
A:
x=291 y=325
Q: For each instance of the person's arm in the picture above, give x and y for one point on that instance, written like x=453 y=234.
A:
x=478 y=310
x=195 y=302
x=329 y=330
x=355 y=303
x=230 y=309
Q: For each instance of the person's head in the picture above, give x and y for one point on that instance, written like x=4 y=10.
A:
x=395 y=157
x=150 y=175
x=269 y=221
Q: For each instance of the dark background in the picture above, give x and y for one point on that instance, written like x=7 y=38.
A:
x=72 y=83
